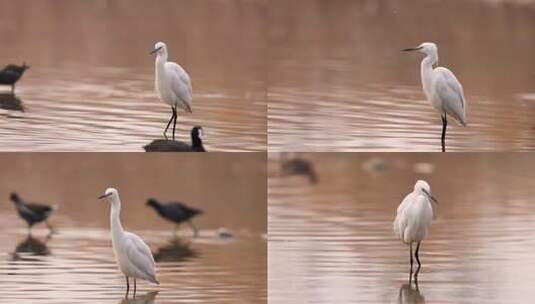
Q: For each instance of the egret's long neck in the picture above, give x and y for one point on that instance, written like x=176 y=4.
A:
x=115 y=220
x=427 y=72
x=161 y=59
x=159 y=66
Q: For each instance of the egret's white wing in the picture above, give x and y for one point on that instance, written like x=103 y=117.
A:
x=140 y=257
x=420 y=215
x=180 y=84
x=401 y=221
x=450 y=91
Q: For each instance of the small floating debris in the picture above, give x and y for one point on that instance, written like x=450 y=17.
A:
x=224 y=234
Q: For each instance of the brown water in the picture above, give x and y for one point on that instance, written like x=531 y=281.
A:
x=338 y=81
x=333 y=242
x=76 y=265
x=91 y=82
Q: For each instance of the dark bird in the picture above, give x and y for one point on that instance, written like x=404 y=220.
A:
x=32 y=213
x=11 y=73
x=299 y=166
x=165 y=145
x=175 y=212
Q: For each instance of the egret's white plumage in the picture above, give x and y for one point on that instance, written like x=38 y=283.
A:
x=172 y=84
x=414 y=216
x=441 y=87
x=133 y=256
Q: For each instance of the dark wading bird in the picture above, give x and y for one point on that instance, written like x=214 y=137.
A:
x=32 y=213
x=164 y=145
x=11 y=73
x=299 y=166
x=175 y=212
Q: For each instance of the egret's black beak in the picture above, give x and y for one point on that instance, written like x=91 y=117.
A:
x=411 y=49
x=104 y=196
x=155 y=50
x=430 y=196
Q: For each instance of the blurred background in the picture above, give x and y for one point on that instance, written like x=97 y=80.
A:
x=226 y=263
x=338 y=81
x=90 y=86
x=332 y=242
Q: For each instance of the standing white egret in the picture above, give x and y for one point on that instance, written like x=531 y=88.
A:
x=132 y=254
x=414 y=216
x=172 y=84
x=441 y=88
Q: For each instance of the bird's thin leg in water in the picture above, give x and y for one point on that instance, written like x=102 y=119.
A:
x=135 y=287
x=49 y=226
x=127 y=287
x=444 y=126
x=174 y=124
x=195 y=230
x=169 y=123
x=12 y=89
x=417 y=260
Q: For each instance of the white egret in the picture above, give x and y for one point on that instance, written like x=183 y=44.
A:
x=414 y=216
x=172 y=84
x=441 y=88
x=133 y=256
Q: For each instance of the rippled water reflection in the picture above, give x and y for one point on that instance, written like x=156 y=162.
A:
x=333 y=242
x=115 y=109
x=338 y=81
x=77 y=265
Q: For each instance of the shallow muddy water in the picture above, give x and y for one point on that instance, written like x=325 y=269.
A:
x=338 y=81
x=332 y=242
x=90 y=86
x=226 y=263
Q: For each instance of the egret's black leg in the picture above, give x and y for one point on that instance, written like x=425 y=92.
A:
x=195 y=230
x=127 y=287
x=135 y=287
x=174 y=124
x=444 y=126
x=417 y=260
x=169 y=123
x=410 y=273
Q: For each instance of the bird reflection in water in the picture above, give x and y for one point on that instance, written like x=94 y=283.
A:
x=410 y=295
x=148 y=298
x=31 y=247
x=9 y=101
x=175 y=251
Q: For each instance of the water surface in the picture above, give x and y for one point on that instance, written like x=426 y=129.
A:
x=333 y=242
